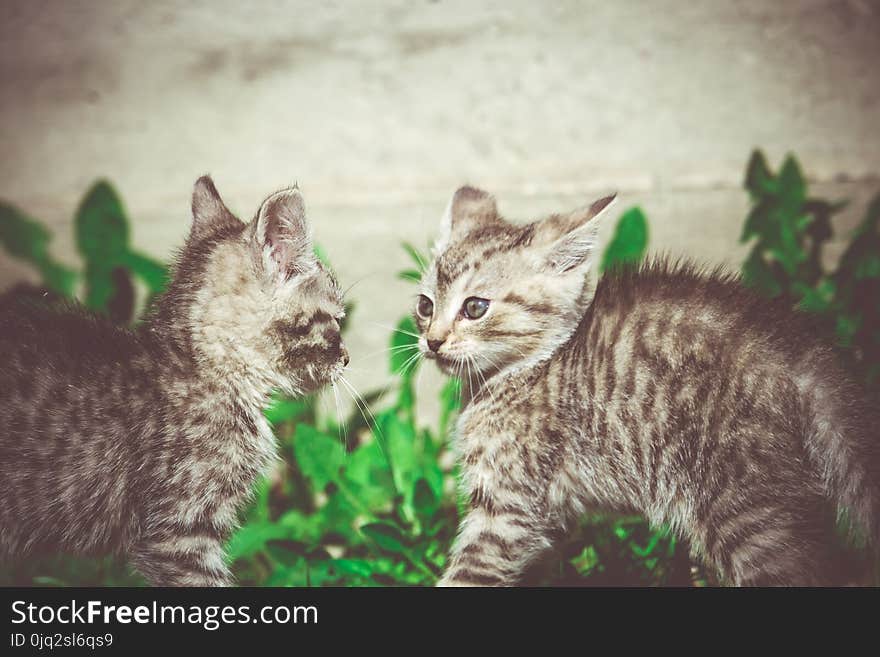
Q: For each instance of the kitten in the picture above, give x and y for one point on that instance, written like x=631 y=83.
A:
x=147 y=442
x=680 y=396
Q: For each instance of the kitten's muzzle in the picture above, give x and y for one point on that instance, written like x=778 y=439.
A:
x=344 y=356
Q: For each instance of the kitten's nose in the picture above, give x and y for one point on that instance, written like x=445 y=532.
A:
x=345 y=358
x=434 y=345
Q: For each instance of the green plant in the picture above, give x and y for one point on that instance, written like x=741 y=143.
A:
x=26 y=239
x=102 y=234
x=790 y=229
x=629 y=242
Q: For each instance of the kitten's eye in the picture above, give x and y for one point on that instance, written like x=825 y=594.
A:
x=475 y=307
x=425 y=307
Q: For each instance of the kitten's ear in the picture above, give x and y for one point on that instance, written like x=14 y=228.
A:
x=208 y=211
x=468 y=208
x=282 y=235
x=572 y=237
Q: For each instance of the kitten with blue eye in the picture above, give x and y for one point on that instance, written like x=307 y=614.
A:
x=660 y=390
x=147 y=442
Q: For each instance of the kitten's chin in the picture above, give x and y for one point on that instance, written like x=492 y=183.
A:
x=308 y=383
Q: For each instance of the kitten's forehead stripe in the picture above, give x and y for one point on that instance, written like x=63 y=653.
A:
x=494 y=240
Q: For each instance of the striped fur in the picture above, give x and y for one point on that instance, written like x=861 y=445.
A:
x=664 y=391
x=147 y=442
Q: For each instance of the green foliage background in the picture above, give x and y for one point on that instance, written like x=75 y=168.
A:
x=373 y=500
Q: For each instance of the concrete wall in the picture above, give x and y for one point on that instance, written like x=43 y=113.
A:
x=380 y=110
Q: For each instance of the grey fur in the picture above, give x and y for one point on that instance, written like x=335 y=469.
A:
x=665 y=391
x=147 y=442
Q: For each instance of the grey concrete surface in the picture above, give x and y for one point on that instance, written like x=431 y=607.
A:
x=380 y=110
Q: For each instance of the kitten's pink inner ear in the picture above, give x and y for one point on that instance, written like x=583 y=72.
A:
x=283 y=232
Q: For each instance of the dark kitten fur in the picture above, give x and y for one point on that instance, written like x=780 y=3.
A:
x=147 y=442
x=682 y=396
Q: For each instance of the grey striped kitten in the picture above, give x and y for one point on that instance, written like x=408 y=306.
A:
x=680 y=396
x=147 y=442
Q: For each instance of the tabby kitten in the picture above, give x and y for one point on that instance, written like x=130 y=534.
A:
x=663 y=391
x=147 y=442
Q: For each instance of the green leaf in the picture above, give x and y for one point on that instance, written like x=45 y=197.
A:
x=420 y=260
x=285 y=409
x=759 y=180
x=630 y=240
x=410 y=275
x=386 y=536
x=868 y=267
x=756 y=221
x=338 y=517
x=818 y=299
x=404 y=346
x=784 y=243
x=24 y=238
x=370 y=476
x=57 y=277
x=321 y=255
x=792 y=186
x=100 y=286
x=252 y=538
x=757 y=274
x=353 y=567
x=21 y=236
x=585 y=562
x=424 y=500
x=400 y=445
x=101 y=225
x=450 y=402
x=297 y=576
x=154 y=274
x=847 y=327
x=318 y=456
x=430 y=469
x=649 y=548
x=286 y=552
x=102 y=239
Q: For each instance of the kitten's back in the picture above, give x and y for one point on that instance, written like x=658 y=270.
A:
x=708 y=326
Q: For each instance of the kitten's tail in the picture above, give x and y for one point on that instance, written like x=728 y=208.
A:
x=843 y=438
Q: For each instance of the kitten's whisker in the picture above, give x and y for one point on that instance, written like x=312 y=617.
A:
x=396 y=330
x=418 y=380
x=486 y=385
x=340 y=423
x=365 y=408
x=365 y=276
x=469 y=380
x=408 y=364
x=394 y=349
x=458 y=375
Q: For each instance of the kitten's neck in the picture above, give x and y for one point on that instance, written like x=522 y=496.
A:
x=191 y=379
